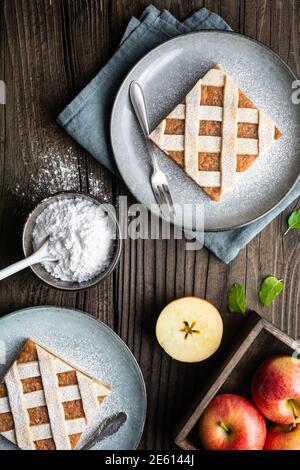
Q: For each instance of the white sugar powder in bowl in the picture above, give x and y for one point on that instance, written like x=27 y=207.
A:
x=80 y=238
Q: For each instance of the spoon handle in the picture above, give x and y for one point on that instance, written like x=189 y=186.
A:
x=35 y=258
x=107 y=428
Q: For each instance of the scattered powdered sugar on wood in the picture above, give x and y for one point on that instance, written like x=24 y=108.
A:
x=58 y=172
x=97 y=187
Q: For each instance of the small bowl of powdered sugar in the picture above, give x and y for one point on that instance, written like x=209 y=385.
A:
x=84 y=238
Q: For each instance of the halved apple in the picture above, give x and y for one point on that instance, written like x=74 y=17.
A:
x=189 y=329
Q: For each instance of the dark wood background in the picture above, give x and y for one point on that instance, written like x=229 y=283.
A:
x=49 y=49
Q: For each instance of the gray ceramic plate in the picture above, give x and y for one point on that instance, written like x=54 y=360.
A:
x=166 y=74
x=92 y=346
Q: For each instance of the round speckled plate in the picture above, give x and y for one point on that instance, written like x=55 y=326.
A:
x=92 y=346
x=166 y=74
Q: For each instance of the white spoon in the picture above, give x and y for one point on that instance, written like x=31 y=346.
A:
x=40 y=256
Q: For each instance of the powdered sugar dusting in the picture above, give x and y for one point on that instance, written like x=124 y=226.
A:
x=80 y=239
x=58 y=172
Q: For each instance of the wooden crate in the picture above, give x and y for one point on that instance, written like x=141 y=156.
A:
x=257 y=340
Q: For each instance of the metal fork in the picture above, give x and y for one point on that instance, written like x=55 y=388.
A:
x=159 y=180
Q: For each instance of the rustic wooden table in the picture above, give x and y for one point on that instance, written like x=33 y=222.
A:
x=49 y=49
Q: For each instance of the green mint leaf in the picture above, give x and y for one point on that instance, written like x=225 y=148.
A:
x=294 y=221
x=269 y=289
x=237 y=299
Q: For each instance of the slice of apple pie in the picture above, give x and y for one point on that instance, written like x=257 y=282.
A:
x=215 y=132
x=47 y=403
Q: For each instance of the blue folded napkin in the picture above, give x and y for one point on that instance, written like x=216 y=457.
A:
x=86 y=118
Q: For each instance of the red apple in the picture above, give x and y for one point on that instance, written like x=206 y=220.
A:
x=276 y=389
x=230 y=422
x=283 y=437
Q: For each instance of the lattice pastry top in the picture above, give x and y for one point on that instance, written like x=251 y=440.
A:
x=47 y=403
x=215 y=132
